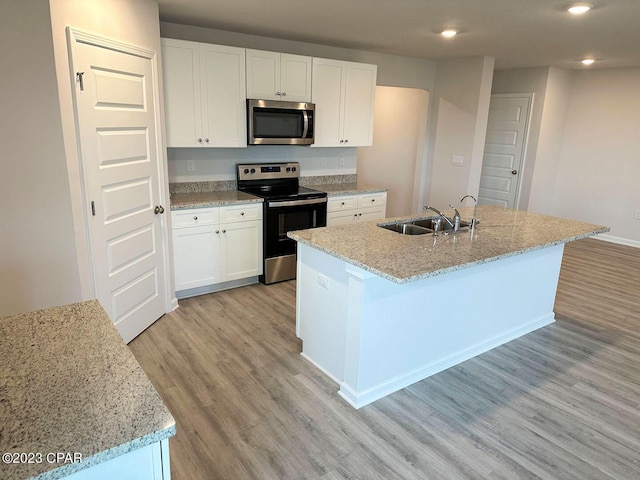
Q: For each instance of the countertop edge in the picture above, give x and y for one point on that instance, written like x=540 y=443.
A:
x=109 y=454
x=445 y=270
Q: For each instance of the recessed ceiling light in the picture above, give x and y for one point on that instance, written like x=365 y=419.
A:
x=588 y=61
x=449 y=32
x=578 y=8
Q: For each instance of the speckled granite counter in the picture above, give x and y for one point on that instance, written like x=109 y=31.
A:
x=336 y=189
x=406 y=258
x=68 y=383
x=211 y=199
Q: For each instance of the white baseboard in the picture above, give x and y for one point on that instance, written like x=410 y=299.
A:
x=618 y=240
x=359 y=399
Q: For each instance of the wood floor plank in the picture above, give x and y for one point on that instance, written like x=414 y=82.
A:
x=562 y=402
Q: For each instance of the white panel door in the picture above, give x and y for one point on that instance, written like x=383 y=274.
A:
x=504 y=150
x=117 y=125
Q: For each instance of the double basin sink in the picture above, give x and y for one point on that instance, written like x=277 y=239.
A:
x=421 y=227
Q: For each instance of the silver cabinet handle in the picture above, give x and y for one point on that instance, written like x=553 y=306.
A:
x=206 y=140
x=199 y=140
x=224 y=231
x=195 y=217
x=217 y=232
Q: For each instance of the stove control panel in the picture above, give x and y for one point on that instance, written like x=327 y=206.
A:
x=263 y=171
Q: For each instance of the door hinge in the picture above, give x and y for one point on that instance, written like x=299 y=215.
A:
x=79 y=77
x=93 y=208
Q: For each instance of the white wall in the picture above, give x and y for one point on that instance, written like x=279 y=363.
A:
x=218 y=164
x=544 y=179
x=130 y=21
x=396 y=156
x=460 y=108
x=598 y=176
x=38 y=265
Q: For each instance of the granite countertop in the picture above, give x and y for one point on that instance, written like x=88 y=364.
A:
x=218 y=198
x=68 y=383
x=336 y=189
x=405 y=258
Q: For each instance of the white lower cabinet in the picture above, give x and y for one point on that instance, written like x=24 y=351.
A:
x=216 y=245
x=356 y=208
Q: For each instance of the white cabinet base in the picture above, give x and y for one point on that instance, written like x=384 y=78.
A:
x=375 y=337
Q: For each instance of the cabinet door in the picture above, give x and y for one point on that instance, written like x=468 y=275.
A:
x=327 y=93
x=371 y=213
x=295 y=78
x=359 y=105
x=182 y=102
x=196 y=256
x=263 y=75
x=341 y=217
x=224 y=96
x=241 y=250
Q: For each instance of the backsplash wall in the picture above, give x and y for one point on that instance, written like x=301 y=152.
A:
x=218 y=164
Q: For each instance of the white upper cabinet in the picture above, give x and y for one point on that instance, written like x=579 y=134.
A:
x=344 y=95
x=278 y=76
x=204 y=94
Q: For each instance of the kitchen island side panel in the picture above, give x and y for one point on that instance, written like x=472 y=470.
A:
x=397 y=334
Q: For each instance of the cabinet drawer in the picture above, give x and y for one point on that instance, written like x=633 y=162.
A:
x=372 y=199
x=335 y=204
x=241 y=213
x=194 y=216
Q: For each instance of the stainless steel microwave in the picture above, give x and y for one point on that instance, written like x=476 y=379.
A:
x=272 y=122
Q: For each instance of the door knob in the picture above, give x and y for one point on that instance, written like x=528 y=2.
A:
x=158 y=209
x=514 y=172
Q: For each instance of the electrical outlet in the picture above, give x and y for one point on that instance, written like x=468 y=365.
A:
x=637 y=216
x=323 y=281
x=323 y=162
x=341 y=161
x=191 y=166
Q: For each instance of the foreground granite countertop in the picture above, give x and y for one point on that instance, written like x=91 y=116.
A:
x=406 y=258
x=337 y=189
x=68 y=383
x=211 y=199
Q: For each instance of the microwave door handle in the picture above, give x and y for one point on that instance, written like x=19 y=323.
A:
x=305 y=124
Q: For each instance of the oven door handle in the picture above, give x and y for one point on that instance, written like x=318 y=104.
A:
x=305 y=127
x=295 y=203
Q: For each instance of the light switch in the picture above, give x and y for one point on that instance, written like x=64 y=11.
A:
x=457 y=160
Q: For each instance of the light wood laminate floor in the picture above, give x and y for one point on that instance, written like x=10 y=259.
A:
x=560 y=403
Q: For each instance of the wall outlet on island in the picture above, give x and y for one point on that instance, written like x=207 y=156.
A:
x=341 y=161
x=323 y=281
x=323 y=162
x=637 y=215
x=191 y=166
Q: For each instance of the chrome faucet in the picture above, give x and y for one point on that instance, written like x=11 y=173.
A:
x=446 y=219
x=474 y=220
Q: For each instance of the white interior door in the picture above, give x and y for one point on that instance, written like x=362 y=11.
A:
x=504 y=149
x=116 y=122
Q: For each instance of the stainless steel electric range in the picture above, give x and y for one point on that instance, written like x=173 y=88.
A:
x=287 y=207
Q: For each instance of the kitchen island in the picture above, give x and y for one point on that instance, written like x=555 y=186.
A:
x=75 y=403
x=377 y=310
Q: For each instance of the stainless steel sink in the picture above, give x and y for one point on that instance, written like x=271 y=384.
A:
x=423 y=226
x=406 y=228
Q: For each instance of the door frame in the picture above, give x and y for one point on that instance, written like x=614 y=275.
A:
x=525 y=143
x=74 y=37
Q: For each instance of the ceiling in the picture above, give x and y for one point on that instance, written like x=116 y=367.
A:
x=517 y=33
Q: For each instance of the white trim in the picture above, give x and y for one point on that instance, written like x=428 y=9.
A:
x=619 y=240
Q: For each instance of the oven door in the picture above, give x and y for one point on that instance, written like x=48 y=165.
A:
x=284 y=216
